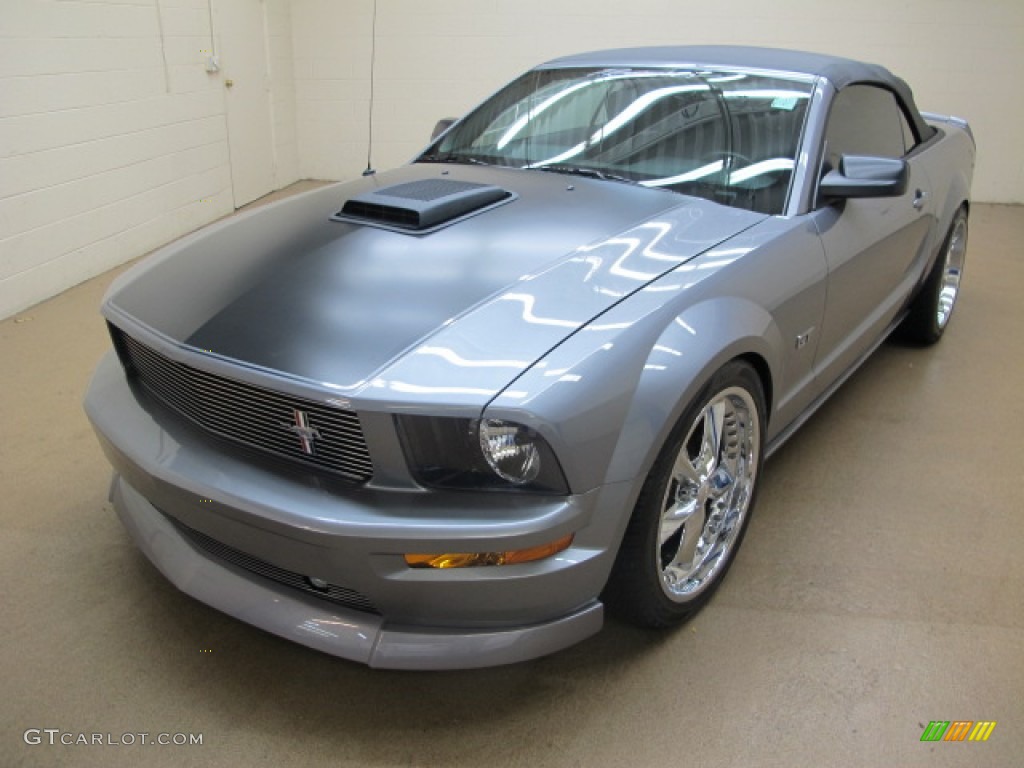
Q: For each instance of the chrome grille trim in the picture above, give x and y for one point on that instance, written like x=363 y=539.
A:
x=248 y=414
x=349 y=598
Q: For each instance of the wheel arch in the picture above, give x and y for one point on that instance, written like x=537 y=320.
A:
x=953 y=205
x=764 y=373
x=678 y=370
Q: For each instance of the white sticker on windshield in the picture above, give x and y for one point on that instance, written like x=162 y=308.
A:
x=787 y=103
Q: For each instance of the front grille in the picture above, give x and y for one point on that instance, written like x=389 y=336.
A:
x=273 y=422
x=332 y=593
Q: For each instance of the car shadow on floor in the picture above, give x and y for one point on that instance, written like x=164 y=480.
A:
x=217 y=662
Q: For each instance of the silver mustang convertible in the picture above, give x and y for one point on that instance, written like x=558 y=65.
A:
x=439 y=417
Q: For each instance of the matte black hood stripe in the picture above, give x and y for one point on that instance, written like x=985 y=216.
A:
x=349 y=307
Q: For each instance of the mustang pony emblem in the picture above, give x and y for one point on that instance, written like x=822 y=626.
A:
x=303 y=430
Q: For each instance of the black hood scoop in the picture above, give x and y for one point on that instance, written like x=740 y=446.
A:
x=421 y=206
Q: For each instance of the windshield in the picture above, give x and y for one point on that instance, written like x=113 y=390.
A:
x=727 y=137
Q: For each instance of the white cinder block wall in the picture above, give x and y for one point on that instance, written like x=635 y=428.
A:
x=281 y=57
x=113 y=137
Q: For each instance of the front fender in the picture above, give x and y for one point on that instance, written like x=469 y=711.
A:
x=606 y=398
x=691 y=348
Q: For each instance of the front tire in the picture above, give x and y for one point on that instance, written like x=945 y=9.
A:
x=932 y=307
x=693 y=510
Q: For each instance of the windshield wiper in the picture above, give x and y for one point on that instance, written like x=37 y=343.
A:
x=451 y=157
x=590 y=173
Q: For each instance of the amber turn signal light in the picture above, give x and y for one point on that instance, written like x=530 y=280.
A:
x=474 y=559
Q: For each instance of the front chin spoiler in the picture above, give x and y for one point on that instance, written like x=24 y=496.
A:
x=352 y=635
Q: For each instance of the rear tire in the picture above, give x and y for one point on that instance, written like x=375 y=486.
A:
x=693 y=510
x=932 y=307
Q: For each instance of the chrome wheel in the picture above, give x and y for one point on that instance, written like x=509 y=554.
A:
x=952 y=269
x=708 y=494
x=930 y=311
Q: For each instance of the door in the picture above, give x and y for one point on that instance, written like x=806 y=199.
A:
x=240 y=27
x=875 y=248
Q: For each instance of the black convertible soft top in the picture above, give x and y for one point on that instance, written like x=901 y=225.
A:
x=837 y=70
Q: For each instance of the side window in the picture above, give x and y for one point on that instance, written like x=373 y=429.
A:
x=866 y=120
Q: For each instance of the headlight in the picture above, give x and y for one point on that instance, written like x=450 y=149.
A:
x=510 y=449
x=484 y=454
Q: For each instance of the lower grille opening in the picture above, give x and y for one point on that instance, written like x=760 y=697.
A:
x=349 y=598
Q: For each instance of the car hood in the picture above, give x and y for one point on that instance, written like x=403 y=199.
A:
x=452 y=314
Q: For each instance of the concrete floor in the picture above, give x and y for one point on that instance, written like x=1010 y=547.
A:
x=881 y=586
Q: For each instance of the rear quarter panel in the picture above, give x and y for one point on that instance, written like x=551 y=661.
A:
x=950 y=164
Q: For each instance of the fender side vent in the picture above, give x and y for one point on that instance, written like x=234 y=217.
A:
x=421 y=206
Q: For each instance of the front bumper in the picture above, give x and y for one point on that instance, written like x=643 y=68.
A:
x=170 y=479
x=352 y=635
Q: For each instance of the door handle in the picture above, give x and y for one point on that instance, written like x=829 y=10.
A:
x=919 y=198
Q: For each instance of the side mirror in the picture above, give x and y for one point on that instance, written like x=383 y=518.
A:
x=442 y=125
x=863 y=176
